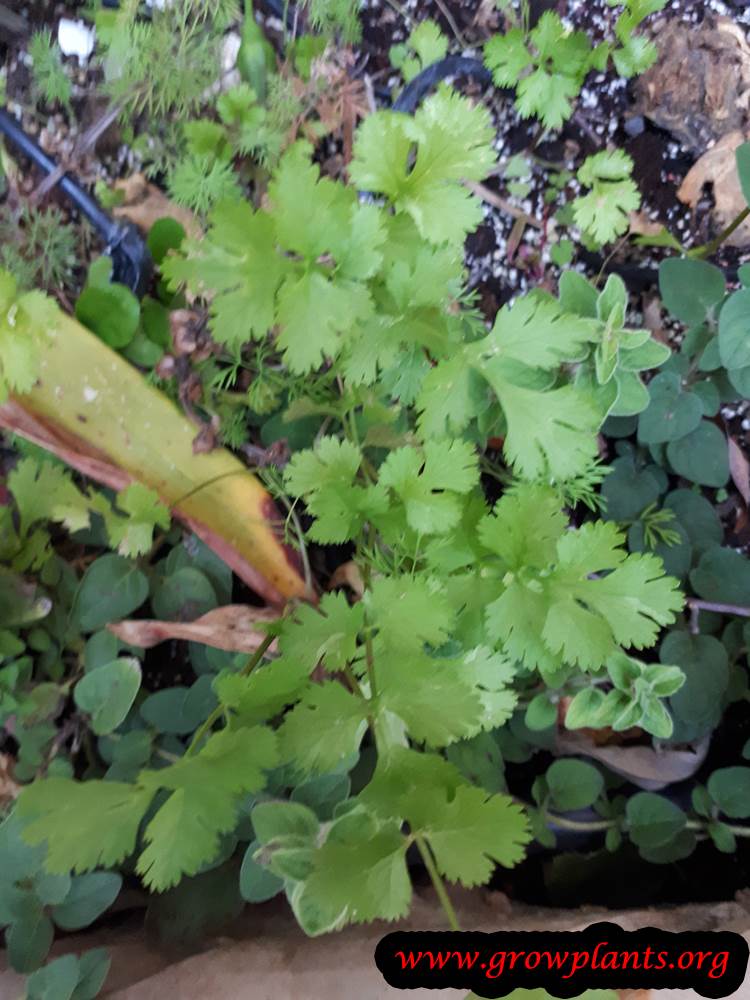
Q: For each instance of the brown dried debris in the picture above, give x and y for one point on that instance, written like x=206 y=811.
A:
x=699 y=88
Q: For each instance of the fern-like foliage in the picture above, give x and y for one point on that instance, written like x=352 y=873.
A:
x=50 y=82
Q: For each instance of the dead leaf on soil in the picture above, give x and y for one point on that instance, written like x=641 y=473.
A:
x=739 y=467
x=699 y=88
x=144 y=204
x=652 y=318
x=9 y=790
x=235 y=628
x=347 y=575
x=718 y=168
x=642 y=225
x=646 y=767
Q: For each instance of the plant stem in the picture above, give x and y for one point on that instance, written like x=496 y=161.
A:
x=370 y=659
x=219 y=710
x=723 y=609
x=711 y=247
x=591 y=826
x=437 y=881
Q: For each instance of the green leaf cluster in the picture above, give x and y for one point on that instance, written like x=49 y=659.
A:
x=547 y=65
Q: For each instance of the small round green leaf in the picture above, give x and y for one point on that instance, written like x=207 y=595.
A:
x=723 y=838
x=584 y=709
x=322 y=793
x=653 y=820
x=742 y=158
x=734 y=330
x=29 y=939
x=541 y=713
x=257 y=884
x=111 y=312
x=93 y=967
x=690 y=289
x=112 y=588
x=677 y=849
x=90 y=895
x=107 y=694
x=274 y=820
x=179 y=710
x=100 y=649
x=51 y=889
x=184 y=596
x=722 y=575
x=166 y=234
x=696 y=706
x=697 y=517
x=729 y=787
x=701 y=456
x=573 y=784
x=55 y=981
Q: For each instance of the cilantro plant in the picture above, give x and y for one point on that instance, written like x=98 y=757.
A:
x=547 y=65
x=603 y=212
x=465 y=603
x=425 y=45
x=506 y=588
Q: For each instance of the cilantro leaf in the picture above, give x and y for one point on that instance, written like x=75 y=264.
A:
x=133 y=535
x=237 y=265
x=315 y=314
x=536 y=332
x=442 y=701
x=428 y=485
x=603 y=212
x=507 y=57
x=326 y=477
x=549 y=431
x=85 y=824
x=547 y=96
x=26 y=321
x=409 y=611
x=453 y=142
x=359 y=874
x=184 y=834
x=565 y=610
x=263 y=693
x=472 y=831
x=325 y=726
x=524 y=527
x=328 y=633
x=45 y=491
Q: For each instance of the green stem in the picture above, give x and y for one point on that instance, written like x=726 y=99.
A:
x=437 y=881
x=370 y=660
x=591 y=826
x=217 y=713
x=711 y=247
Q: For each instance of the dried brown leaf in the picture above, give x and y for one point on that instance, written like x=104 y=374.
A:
x=739 y=468
x=144 y=204
x=643 y=765
x=718 y=168
x=9 y=789
x=235 y=627
x=347 y=575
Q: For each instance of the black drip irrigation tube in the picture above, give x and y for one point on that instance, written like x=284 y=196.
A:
x=131 y=261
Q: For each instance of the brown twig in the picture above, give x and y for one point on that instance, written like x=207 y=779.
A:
x=696 y=605
x=505 y=206
x=85 y=142
x=443 y=8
